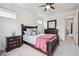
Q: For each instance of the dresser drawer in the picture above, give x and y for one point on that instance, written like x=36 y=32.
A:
x=13 y=39
x=13 y=45
x=13 y=42
x=51 y=31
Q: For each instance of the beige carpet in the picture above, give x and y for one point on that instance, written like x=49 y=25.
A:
x=66 y=48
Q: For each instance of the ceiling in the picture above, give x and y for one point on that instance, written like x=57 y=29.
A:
x=59 y=7
x=33 y=7
x=8 y=6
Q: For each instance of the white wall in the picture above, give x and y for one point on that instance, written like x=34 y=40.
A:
x=60 y=17
x=8 y=25
x=25 y=17
x=40 y=25
x=1 y=36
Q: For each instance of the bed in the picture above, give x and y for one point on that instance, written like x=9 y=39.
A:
x=32 y=40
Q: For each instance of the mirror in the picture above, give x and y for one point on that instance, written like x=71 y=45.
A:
x=51 y=24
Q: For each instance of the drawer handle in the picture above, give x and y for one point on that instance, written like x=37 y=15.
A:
x=11 y=39
x=17 y=38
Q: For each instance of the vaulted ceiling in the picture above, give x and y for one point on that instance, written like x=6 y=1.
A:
x=59 y=7
x=33 y=7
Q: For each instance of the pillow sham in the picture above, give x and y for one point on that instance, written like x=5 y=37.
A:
x=34 y=33
x=31 y=32
x=27 y=32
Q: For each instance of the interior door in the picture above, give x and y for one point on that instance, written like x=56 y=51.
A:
x=76 y=28
x=69 y=26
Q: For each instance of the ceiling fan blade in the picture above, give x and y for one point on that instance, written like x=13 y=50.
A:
x=42 y=5
x=49 y=3
x=52 y=7
x=45 y=9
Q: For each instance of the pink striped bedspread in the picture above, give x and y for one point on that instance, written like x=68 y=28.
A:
x=42 y=40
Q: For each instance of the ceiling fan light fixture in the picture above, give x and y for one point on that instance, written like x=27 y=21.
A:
x=48 y=6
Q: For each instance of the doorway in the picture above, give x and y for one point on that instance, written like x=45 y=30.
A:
x=69 y=28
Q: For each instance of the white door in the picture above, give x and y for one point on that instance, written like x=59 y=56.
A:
x=69 y=26
x=75 y=30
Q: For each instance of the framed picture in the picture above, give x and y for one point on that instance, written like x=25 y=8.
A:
x=51 y=24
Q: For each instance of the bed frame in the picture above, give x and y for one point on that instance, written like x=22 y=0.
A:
x=51 y=45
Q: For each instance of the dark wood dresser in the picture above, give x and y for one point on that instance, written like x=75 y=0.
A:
x=13 y=42
x=51 y=31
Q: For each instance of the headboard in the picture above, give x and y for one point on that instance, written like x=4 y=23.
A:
x=24 y=28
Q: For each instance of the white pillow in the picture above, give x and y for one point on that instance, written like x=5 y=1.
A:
x=38 y=32
x=29 y=32
x=34 y=33
x=25 y=32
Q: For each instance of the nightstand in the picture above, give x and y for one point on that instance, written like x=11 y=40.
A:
x=13 y=42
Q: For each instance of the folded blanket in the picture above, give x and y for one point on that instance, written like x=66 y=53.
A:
x=42 y=40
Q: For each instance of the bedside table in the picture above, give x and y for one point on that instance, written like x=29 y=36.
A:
x=13 y=42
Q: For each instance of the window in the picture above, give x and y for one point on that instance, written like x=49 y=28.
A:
x=7 y=13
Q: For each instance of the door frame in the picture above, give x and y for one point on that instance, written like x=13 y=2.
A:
x=66 y=25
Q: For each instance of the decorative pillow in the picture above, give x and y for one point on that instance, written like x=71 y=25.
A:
x=29 y=31
x=34 y=33
x=25 y=32
x=38 y=32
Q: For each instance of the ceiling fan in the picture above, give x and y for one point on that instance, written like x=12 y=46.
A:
x=47 y=6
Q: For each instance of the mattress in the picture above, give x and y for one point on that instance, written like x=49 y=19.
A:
x=31 y=38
